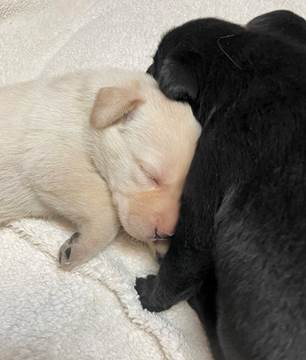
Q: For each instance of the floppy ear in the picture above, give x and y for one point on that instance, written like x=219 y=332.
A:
x=112 y=103
x=177 y=77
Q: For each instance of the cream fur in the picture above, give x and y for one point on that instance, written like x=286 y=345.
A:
x=56 y=158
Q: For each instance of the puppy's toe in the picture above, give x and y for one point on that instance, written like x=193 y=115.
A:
x=145 y=288
x=71 y=253
x=64 y=256
x=143 y=291
x=141 y=287
x=152 y=295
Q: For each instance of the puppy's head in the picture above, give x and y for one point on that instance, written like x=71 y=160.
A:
x=185 y=54
x=143 y=147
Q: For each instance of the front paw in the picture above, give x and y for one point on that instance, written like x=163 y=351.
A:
x=71 y=253
x=147 y=289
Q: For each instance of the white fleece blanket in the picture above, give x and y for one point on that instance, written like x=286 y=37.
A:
x=92 y=313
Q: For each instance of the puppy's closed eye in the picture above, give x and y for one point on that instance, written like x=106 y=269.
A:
x=149 y=173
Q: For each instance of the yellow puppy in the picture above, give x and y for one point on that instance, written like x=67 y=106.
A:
x=75 y=145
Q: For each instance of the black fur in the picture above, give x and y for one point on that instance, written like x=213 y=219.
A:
x=281 y=23
x=239 y=251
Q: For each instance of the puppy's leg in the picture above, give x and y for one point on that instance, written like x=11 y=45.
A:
x=86 y=201
x=181 y=274
x=185 y=266
x=180 y=277
x=189 y=261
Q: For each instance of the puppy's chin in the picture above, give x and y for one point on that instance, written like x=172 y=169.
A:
x=137 y=228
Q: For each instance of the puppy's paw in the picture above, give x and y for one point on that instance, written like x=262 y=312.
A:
x=71 y=253
x=146 y=288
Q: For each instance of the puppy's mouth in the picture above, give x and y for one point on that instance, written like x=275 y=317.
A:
x=160 y=237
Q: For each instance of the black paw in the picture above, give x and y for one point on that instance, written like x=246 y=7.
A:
x=148 y=291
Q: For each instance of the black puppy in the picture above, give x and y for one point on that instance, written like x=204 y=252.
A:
x=242 y=227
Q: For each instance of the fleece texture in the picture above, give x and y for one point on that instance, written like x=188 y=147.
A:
x=92 y=313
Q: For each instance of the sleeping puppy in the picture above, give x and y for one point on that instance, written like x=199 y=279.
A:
x=287 y=26
x=66 y=141
x=241 y=231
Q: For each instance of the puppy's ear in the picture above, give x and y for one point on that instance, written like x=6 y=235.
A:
x=112 y=103
x=178 y=77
